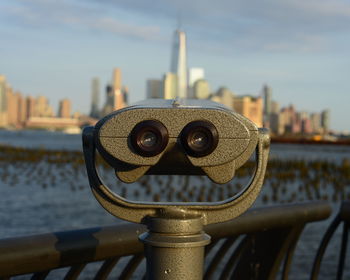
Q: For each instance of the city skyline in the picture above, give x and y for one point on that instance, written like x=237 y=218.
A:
x=58 y=55
x=20 y=112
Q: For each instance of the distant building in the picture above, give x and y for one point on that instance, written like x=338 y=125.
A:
x=125 y=93
x=109 y=103
x=275 y=107
x=13 y=102
x=224 y=96
x=30 y=107
x=117 y=79
x=95 y=96
x=22 y=105
x=315 y=119
x=306 y=127
x=116 y=94
x=305 y=123
x=3 y=101
x=179 y=63
x=325 y=120
x=170 y=86
x=64 y=110
x=250 y=107
x=117 y=90
x=267 y=94
x=290 y=121
x=154 y=88
x=42 y=107
x=201 y=89
x=194 y=75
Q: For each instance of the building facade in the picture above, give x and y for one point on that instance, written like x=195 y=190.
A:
x=170 y=86
x=201 y=89
x=250 y=107
x=154 y=88
x=64 y=109
x=95 y=96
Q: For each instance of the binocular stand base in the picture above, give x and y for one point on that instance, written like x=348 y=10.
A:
x=174 y=248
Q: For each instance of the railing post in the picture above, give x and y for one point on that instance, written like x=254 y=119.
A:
x=174 y=248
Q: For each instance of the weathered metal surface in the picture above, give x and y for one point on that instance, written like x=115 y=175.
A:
x=53 y=250
x=211 y=212
x=133 y=141
x=174 y=248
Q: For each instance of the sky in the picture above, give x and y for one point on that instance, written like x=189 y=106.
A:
x=301 y=49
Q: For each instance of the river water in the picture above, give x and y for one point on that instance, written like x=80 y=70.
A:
x=36 y=198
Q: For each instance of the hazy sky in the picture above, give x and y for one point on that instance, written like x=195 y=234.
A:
x=300 y=48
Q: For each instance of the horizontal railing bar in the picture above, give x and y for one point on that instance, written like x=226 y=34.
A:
x=260 y=219
x=21 y=255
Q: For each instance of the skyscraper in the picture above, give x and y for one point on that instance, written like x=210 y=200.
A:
x=95 y=96
x=117 y=79
x=267 y=92
x=117 y=90
x=179 y=62
x=116 y=94
x=325 y=119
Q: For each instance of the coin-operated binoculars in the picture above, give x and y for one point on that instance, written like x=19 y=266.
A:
x=188 y=137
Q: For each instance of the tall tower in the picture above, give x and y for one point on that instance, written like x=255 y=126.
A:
x=325 y=120
x=117 y=89
x=117 y=79
x=179 y=62
x=116 y=94
x=267 y=92
x=95 y=95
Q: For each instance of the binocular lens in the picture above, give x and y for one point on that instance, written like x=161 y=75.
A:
x=199 y=138
x=149 y=138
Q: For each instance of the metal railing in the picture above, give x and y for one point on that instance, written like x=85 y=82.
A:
x=238 y=248
x=343 y=217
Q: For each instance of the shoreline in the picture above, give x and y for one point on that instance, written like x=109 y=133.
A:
x=303 y=141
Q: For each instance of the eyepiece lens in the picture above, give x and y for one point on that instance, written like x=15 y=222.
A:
x=149 y=138
x=199 y=138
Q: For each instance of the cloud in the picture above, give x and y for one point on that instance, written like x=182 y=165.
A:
x=288 y=25
x=255 y=25
x=42 y=14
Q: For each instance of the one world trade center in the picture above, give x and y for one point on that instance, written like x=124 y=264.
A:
x=179 y=62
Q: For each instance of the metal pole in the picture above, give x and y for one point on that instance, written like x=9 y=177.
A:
x=174 y=246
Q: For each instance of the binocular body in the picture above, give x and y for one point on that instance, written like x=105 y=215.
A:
x=183 y=137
